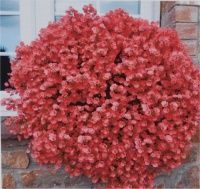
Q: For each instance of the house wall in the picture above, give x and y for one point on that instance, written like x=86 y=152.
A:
x=184 y=17
x=20 y=171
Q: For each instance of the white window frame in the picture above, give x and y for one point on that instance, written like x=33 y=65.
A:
x=148 y=9
x=26 y=15
x=36 y=14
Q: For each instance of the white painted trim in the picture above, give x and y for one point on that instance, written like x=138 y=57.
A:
x=5 y=94
x=101 y=14
x=27 y=34
x=133 y=15
x=156 y=11
x=98 y=6
x=59 y=13
x=9 y=13
x=44 y=13
x=146 y=10
x=7 y=53
x=116 y=0
x=8 y=113
x=27 y=20
x=150 y=10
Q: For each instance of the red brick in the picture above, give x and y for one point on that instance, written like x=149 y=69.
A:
x=15 y=159
x=196 y=2
x=159 y=186
x=199 y=14
x=191 y=46
x=168 y=18
x=198 y=50
x=187 y=30
x=166 y=6
x=186 y=13
x=8 y=181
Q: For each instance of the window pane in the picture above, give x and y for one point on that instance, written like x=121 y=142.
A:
x=5 y=69
x=10 y=32
x=62 y=5
x=57 y=18
x=132 y=7
x=9 y=5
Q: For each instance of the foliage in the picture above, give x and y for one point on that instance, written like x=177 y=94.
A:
x=111 y=97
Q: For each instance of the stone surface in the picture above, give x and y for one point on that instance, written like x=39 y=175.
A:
x=29 y=178
x=195 y=60
x=187 y=30
x=193 y=154
x=13 y=144
x=15 y=159
x=186 y=176
x=5 y=134
x=49 y=179
x=196 y=137
x=159 y=186
x=98 y=186
x=159 y=181
x=190 y=179
x=35 y=176
x=78 y=182
x=44 y=178
x=8 y=181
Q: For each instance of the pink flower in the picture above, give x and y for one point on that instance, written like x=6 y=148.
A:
x=110 y=97
x=168 y=138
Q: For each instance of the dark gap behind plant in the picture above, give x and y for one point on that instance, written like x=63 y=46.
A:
x=5 y=68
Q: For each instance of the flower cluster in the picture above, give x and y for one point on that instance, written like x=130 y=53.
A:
x=111 y=97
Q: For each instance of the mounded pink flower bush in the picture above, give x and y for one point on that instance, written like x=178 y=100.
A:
x=111 y=97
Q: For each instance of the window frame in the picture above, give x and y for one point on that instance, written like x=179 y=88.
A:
x=26 y=15
x=148 y=9
x=36 y=14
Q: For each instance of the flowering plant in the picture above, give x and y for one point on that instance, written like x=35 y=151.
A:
x=111 y=97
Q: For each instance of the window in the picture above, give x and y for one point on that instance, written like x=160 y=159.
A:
x=10 y=37
x=21 y=20
x=132 y=7
x=62 y=5
x=144 y=9
x=17 y=21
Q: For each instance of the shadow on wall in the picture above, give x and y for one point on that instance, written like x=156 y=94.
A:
x=5 y=68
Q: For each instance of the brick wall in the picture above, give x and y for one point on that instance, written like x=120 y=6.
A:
x=184 y=17
x=20 y=171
